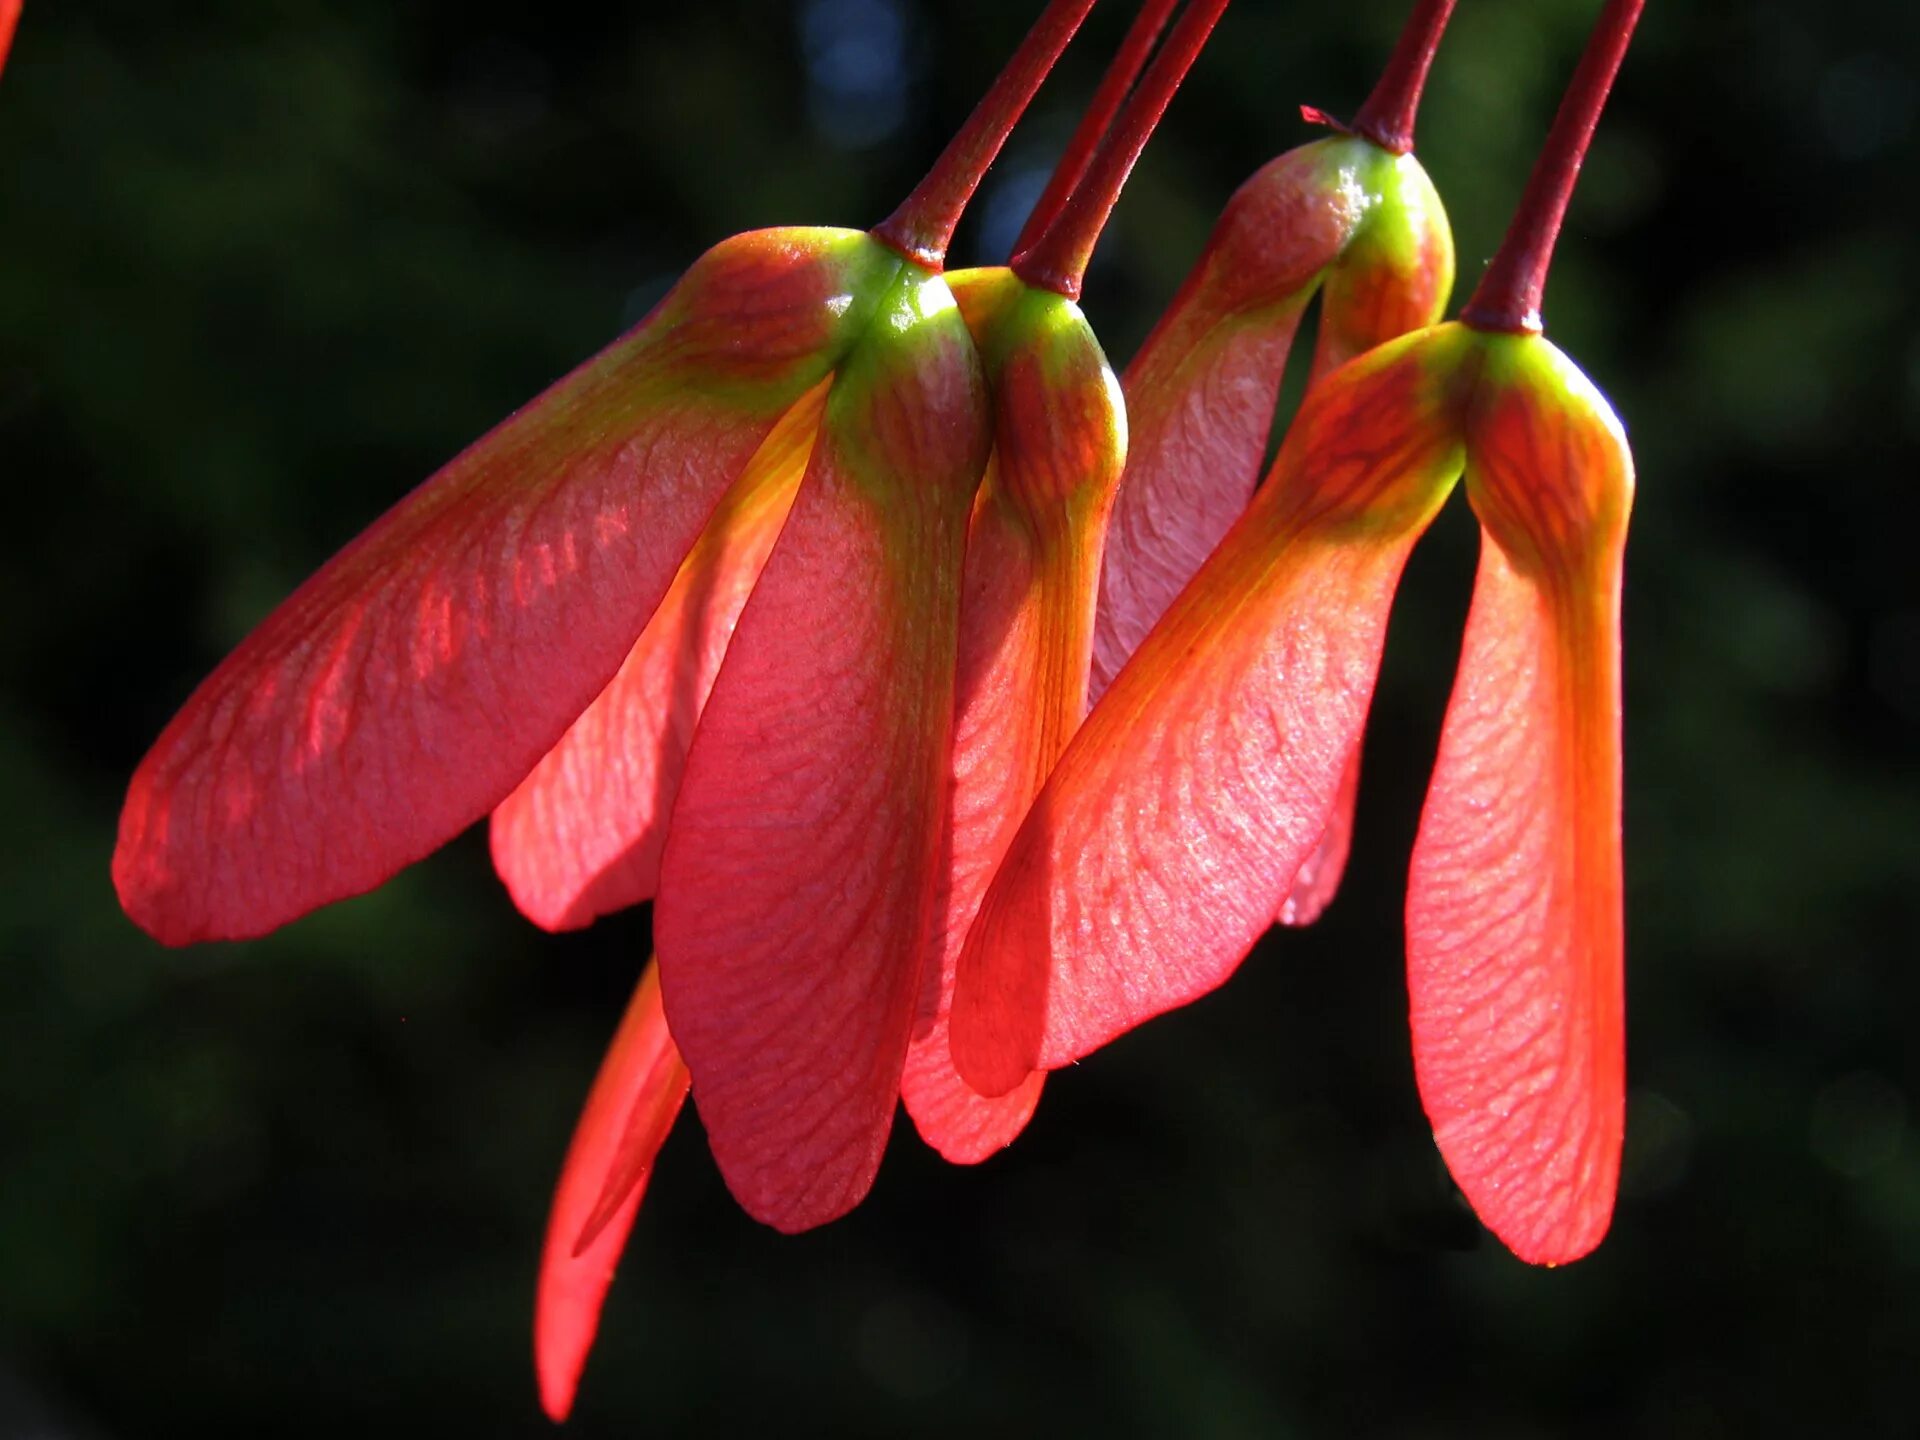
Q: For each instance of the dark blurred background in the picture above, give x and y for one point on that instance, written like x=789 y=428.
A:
x=263 y=266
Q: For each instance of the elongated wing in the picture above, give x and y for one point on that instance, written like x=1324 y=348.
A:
x=795 y=915
x=1393 y=277
x=1514 y=931
x=997 y=734
x=1026 y=639
x=581 y=836
x=1342 y=216
x=1180 y=814
x=411 y=683
x=634 y=1101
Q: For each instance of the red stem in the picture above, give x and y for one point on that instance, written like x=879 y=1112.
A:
x=1509 y=294
x=922 y=228
x=1114 y=85
x=1057 y=261
x=1387 y=117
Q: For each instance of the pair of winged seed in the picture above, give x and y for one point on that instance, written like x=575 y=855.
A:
x=787 y=610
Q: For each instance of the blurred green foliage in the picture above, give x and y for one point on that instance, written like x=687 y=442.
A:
x=262 y=267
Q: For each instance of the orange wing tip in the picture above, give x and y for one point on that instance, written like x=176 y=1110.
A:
x=963 y=1126
x=630 y=1110
x=1319 y=878
x=1548 y=1209
x=628 y=1114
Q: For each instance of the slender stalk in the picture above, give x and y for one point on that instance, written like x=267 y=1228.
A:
x=1124 y=69
x=1509 y=294
x=1387 y=117
x=1058 y=260
x=922 y=228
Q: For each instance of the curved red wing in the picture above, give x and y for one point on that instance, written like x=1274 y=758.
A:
x=1514 y=926
x=1365 y=229
x=1175 y=822
x=411 y=683
x=996 y=731
x=794 y=922
x=1026 y=638
x=629 y=1112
